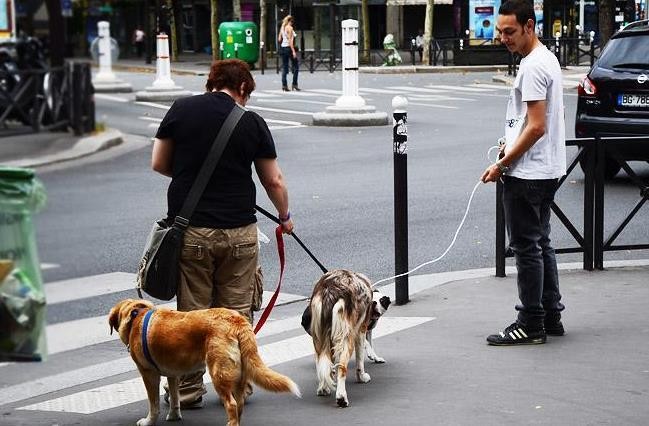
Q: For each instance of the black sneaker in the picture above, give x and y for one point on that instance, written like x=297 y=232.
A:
x=516 y=334
x=554 y=328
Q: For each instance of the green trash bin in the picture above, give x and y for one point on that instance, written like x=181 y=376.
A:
x=22 y=298
x=239 y=40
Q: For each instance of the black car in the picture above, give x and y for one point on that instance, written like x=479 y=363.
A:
x=614 y=96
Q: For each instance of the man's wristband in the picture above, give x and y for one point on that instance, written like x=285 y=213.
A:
x=503 y=169
x=285 y=219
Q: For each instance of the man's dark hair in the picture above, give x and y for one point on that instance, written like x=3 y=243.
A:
x=523 y=9
x=230 y=74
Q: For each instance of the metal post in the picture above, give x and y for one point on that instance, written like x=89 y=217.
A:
x=412 y=50
x=592 y=48
x=589 y=205
x=500 y=231
x=262 y=56
x=400 y=157
x=557 y=48
x=598 y=237
x=77 y=113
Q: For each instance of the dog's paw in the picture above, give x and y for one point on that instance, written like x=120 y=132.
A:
x=174 y=415
x=342 y=401
x=324 y=391
x=145 y=422
x=363 y=377
x=377 y=359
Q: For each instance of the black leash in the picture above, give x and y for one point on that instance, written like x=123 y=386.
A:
x=277 y=221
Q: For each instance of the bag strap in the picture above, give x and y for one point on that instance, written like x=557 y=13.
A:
x=204 y=175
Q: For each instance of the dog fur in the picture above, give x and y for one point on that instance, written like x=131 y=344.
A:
x=342 y=309
x=182 y=342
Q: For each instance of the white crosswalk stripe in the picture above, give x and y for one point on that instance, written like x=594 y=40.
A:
x=132 y=390
x=100 y=391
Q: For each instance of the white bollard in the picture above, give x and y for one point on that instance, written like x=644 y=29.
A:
x=350 y=97
x=105 y=73
x=163 y=79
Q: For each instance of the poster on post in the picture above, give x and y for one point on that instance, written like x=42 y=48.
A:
x=482 y=21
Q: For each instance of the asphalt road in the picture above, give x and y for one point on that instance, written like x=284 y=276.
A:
x=340 y=182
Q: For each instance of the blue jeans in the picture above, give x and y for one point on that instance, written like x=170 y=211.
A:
x=286 y=54
x=527 y=215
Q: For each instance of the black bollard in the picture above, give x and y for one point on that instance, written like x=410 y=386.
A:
x=400 y=157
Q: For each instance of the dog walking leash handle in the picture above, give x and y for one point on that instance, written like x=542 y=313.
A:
x=277 y=221
x=271 y=303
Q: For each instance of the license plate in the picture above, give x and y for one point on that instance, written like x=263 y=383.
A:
x=637 y=101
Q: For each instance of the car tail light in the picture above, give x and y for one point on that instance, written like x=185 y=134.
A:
x=587 y=87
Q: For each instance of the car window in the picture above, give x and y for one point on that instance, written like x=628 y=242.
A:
x=626 y=52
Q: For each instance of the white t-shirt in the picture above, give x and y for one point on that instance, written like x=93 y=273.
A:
x=539 y=78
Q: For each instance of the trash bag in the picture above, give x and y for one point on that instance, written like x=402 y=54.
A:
x=22 y=317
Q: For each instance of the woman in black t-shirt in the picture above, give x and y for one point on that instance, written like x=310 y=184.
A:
x=219 y=260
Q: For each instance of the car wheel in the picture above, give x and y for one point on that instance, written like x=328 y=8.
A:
x=610 y=169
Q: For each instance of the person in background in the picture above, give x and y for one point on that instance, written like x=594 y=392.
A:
x=138 y=41
x=419 y=44
x=288 y=52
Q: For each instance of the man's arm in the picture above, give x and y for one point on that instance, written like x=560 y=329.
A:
x=532 y=132
x=272 y=180
x=162 y=155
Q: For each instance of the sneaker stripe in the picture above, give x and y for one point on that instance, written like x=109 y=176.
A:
x=518 y=334
x=522 y=332
x=512 y=335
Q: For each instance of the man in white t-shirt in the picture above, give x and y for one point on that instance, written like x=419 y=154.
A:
x=531 y=162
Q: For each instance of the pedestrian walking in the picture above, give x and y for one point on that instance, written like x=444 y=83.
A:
x=138 y=41
x=532 y=160
x=419 y=44
x=219 y=259
x=288 y=52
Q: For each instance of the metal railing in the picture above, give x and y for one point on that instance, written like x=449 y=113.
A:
x=36 y=100
x=591 y=154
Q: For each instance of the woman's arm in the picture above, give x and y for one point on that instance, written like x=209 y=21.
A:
x=162 y=156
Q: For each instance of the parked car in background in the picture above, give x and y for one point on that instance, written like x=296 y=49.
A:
x=614 y=95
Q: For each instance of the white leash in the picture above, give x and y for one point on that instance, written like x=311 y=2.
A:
x=466 y=212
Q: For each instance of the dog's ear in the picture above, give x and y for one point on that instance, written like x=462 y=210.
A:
x=113 y=319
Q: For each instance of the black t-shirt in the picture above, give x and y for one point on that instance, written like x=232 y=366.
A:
x=229 y=198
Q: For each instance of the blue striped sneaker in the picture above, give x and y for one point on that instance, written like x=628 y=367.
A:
x=516 y=334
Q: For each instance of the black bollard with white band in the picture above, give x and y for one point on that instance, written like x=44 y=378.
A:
x=400 y=161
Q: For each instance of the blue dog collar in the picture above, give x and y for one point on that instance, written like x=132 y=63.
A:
x=145 y=345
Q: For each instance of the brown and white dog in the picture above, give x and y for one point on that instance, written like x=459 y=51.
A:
x=343 y=309
x=177 y=343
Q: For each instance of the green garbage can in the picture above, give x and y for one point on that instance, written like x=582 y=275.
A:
x=22 y=299
x=239 y=40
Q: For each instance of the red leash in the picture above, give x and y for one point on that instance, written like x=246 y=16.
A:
x=271 y=303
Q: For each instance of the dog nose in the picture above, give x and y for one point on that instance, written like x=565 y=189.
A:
x=385 y=302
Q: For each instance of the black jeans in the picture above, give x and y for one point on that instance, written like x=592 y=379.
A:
x=527 y=215
x=287 y=55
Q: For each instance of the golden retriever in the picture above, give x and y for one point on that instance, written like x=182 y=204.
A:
x=177 y=343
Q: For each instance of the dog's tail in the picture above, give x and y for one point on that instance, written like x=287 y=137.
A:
x=258 y=372
x=340 y=330
x=321 y=331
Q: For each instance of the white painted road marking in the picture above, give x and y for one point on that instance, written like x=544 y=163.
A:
x=131 y=391
x=110 y=97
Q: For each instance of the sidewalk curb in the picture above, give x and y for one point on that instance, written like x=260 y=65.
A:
x=431 y=69
x=83 y=147
x=419 y=283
